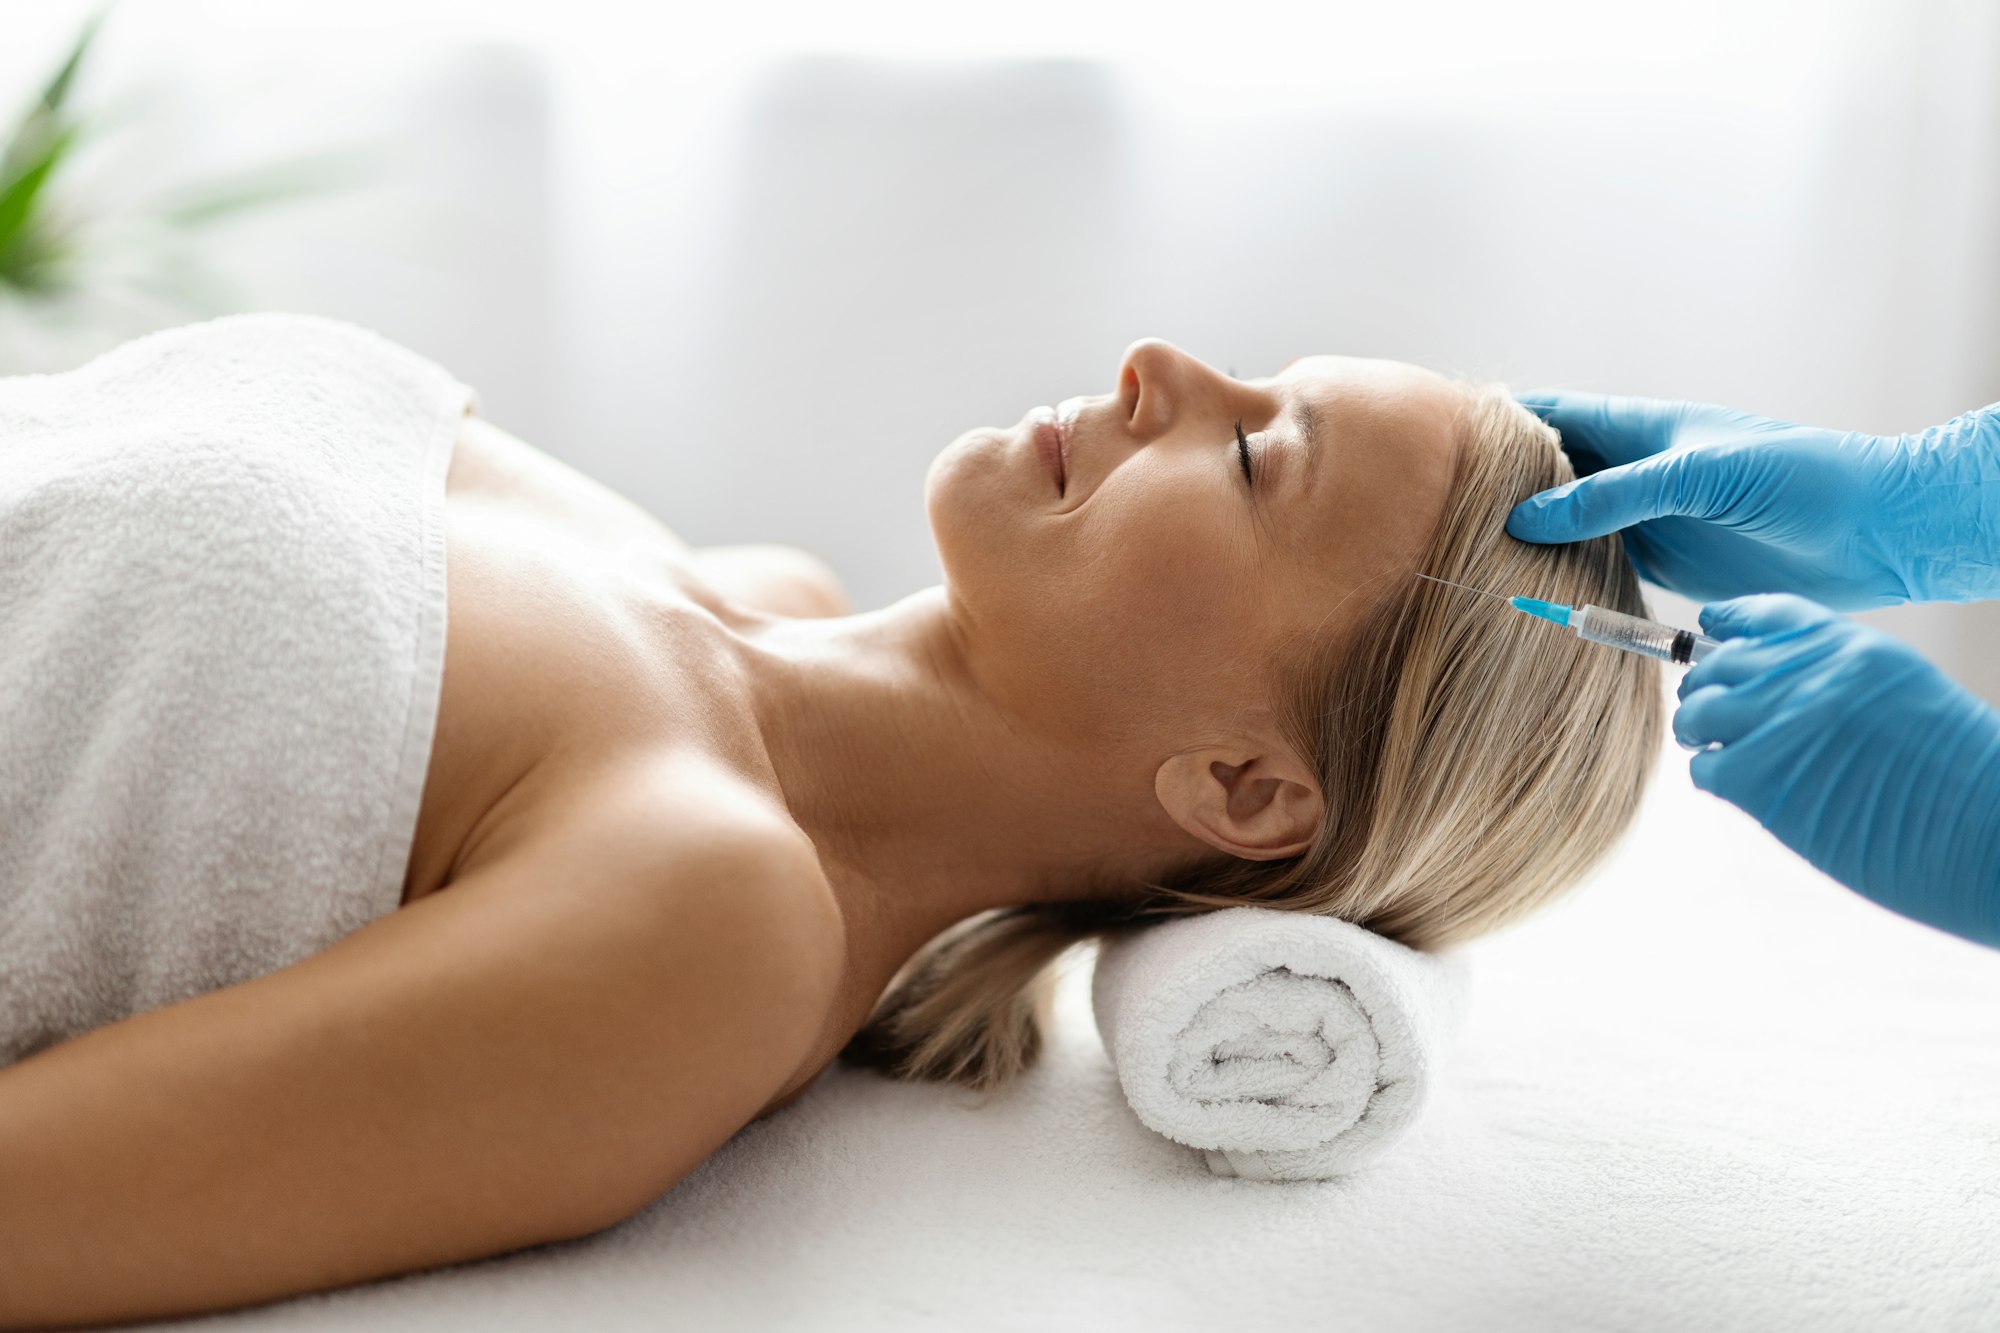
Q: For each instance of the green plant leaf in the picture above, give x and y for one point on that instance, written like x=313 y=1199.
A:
x=18 y=194
x=272 y=182
x=38 y=263
x=43 y=119
x=58 y=88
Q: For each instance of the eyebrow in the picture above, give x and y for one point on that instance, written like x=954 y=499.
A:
x=1306 y=422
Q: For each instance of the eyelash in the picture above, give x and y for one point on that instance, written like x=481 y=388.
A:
x=1243 y=453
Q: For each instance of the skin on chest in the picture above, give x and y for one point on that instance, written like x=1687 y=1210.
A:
x=543 y=680
x=544 y=687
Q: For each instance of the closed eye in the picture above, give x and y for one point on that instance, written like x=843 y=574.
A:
x=1243 y=454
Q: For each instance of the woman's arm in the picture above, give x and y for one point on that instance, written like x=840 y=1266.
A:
x=531 y=1055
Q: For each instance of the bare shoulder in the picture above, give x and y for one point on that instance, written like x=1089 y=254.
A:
x=781 y=580
x=694 y=857
x=681 y=845
x=491 y=464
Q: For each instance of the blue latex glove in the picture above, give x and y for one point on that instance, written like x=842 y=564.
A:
x=1856 y=752
x=1727 y=503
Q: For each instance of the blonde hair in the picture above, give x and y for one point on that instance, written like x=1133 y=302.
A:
x=1474 y=765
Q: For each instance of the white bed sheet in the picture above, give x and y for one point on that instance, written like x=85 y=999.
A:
x=1712 y=1091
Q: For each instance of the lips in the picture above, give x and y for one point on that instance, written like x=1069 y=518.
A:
x=1052 y=442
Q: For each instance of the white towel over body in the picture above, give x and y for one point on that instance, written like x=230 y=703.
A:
x=1284 y=1045
x=222 y=627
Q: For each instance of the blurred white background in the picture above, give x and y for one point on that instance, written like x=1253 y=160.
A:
x=754 y=265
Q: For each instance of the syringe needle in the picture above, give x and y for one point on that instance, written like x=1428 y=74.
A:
x=1449 y=584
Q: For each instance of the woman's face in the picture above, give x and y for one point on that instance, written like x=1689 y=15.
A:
x=1139 y=600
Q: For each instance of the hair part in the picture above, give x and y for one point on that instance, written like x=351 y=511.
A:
x=1474 y=764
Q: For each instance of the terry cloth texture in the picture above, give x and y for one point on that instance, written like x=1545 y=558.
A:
x=1286 y=1046
x=222 y=629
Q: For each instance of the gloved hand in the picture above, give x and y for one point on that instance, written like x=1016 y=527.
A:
x=1727 y=503
x=1856 y=752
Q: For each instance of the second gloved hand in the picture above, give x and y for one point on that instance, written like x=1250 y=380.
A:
x=1718 y=503
x=1856 y=753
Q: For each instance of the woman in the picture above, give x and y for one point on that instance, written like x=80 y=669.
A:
x=691 y=829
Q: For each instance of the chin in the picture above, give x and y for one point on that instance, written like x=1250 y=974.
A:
x=981 y=518
x=968 y=501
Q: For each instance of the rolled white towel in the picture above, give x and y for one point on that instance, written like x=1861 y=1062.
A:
x=1286 y=1046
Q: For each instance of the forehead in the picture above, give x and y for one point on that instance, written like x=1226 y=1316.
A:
x=1371 y=382
x=1389 y=434
x=1373 y=414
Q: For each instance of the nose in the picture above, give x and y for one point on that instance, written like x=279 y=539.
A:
x=1158 y=382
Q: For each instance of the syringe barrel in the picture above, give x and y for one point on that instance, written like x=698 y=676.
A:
x=1644 y=637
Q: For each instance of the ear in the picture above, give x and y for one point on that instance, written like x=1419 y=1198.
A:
x=1256 y=802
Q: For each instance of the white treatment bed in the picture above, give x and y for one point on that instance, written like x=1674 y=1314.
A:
x=1712 y=1091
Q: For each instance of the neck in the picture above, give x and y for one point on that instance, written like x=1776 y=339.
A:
x=927 y=801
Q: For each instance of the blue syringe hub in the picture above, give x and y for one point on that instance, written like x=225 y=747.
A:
x=1546 y=610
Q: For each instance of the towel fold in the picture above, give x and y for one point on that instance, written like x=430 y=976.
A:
x=1285 y=1046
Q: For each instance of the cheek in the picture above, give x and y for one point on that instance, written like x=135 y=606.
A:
x=1168 y=575
x=1164 y=586
x=1106 y=616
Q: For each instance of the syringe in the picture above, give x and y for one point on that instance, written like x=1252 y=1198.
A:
x=1614 y=628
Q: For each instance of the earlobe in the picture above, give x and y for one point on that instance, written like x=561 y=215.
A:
x=1261 y=807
